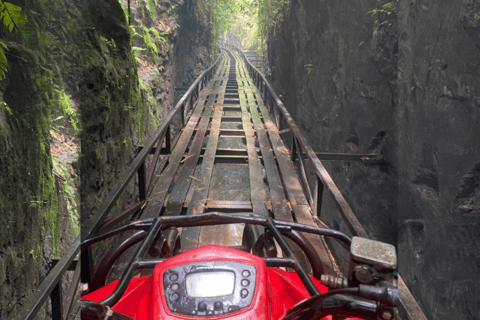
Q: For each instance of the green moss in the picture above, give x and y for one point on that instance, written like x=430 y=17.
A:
x=37 y=252
x=67 y=109
x=18 y=261
x=98 y=153
x=72 y=210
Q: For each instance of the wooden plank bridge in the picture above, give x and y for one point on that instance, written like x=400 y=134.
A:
x=229 y=146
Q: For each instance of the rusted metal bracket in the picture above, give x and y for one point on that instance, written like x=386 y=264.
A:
x=369 y=158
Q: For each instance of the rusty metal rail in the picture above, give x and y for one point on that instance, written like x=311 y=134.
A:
x=305 y=156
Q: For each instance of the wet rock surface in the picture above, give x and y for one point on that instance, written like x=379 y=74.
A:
x=408 y=91
x=193 y=47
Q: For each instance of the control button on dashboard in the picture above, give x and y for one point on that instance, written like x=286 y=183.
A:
x=174 y=297
x=245 y=282
x=202 y=306
x=210 y=313
x=244 y=293
x=174 y=277
x=233 y=308
x=245 y=273
x=218 y=305
x=175 y=286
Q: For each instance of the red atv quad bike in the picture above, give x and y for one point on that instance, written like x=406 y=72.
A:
x=249 y=282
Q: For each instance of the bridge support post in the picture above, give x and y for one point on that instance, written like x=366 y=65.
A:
x=168 y=143
x=293 y=150
x=87 y=266
x=142 y=183
x=57 y=301
x=182 y=115
x=318 y=198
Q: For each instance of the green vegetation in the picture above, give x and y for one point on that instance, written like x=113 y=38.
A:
x=149 y=44
x=310 y=69
x=249 y=20
x=67 y=109
x=171 y=9
x=160 y=39
x=152 y=8
x=387 y=8
x=13 y=18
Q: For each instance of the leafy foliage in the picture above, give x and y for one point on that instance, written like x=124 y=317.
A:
x=152 y=8
x=388 y=8
x=248 y=20
x=147 y=38
x=310 y=69
x=3 y=60
x=172 y=8
x=269 y=14
x=160 y=39
x=13 y=18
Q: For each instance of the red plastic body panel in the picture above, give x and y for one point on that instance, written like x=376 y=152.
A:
x=276 y=292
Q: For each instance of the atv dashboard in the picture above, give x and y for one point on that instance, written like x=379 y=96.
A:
x=209 y=288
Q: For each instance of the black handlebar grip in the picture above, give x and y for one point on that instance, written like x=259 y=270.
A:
x=386 y=294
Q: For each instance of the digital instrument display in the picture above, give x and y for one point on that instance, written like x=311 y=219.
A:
x=210 y=284
x=209 y=288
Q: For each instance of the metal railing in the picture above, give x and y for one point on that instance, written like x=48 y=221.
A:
x=307 y=161
x=52 y=285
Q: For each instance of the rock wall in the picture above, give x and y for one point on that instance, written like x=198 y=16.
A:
x=38 y=206
x=438 y=158
x=323 y=70
x=408 y=91
x=193 y=50
x=109 y=100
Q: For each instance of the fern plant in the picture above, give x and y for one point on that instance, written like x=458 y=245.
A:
x=172 y=8
x=152 y=8
x=160 y=39
x=13 y=18
x=147 y=39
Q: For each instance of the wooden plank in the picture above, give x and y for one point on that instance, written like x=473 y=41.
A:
x=160 y=189
x=228 y=204
x=184 y=180
x=202 y=187
x=287 y=169
x=277 y=194
x=257 y=191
